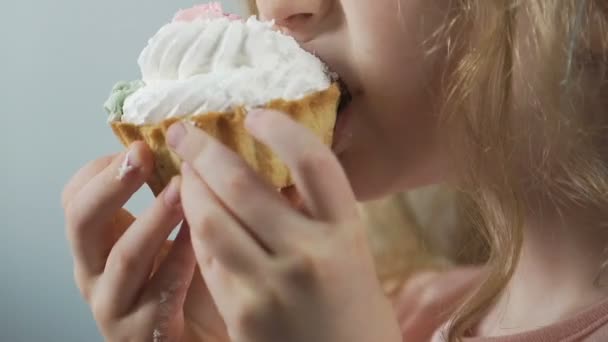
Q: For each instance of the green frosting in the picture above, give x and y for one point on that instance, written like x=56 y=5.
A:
x=119 y=94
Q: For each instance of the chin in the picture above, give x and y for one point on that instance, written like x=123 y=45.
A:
x=362 y=177
x=373 y=175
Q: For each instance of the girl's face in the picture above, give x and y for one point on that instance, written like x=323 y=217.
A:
x=386 y=138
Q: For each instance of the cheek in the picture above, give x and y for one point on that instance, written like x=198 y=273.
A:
x=397 y=118
x=401 y=90
x=391 y=42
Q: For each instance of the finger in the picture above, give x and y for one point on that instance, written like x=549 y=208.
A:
x=83 y=176
x=216 y=235
x=130 y=261
x=221 y=287
x=316 y=171
x=165 y=294
x=221 y=295
x=86 y=281
x=162 y=255
x=177 y=266
x=199 y=304
x=92 y=209
x=250 y=199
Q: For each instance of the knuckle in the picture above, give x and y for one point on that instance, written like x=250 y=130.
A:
x=88 y=171
x=268 y=302
x=238 y=182
x=300 y=270
x=205 y=226
x=74 y=217
x=253 y=313
x=123 y=262
x=101 y=312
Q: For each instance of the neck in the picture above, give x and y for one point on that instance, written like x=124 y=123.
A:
x=554 y=279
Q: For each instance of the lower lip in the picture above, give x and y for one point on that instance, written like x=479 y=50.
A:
x=343 y=131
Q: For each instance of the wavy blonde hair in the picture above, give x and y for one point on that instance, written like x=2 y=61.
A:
x=542 y=138
x=538 y=138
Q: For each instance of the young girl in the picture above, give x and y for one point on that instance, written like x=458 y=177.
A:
x=505 y=99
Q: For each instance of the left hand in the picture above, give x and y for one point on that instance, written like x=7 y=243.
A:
x=277 y=273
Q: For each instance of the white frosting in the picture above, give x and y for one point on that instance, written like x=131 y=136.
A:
x=213 y=65
x=125 y=167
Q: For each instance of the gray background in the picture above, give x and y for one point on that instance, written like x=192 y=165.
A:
x=58 y=61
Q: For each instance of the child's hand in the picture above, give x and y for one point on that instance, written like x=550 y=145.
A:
x=133 y=294
x=279 y=274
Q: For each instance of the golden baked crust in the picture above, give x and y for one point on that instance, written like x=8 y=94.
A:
x=316 y=111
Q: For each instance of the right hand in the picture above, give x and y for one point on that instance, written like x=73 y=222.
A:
x=139 y=286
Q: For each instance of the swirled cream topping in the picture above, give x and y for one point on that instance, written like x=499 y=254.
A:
x=207 y=61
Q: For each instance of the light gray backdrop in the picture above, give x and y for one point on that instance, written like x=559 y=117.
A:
x=58 y=61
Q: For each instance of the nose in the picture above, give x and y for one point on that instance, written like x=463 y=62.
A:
x=298 y=17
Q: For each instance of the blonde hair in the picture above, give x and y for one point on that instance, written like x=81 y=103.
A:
x=550 y=148
x=558 y=157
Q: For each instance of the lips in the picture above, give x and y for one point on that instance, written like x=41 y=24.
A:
x=343 y=131
x=345 y=98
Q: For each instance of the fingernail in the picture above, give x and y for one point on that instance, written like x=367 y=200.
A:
x=135 y=158
x=176 y=134
x=172 y=198
x=131 y=162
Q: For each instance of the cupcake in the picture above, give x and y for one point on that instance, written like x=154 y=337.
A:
x=209 y=69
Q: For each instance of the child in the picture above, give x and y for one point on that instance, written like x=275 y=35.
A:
x=505 y=99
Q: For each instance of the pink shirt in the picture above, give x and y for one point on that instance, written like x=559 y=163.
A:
x=588 y=326
x=420 y=303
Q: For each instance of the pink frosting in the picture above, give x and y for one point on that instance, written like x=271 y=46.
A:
x=207 y=11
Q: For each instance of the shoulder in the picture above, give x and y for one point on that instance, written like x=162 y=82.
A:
x=428 y=299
